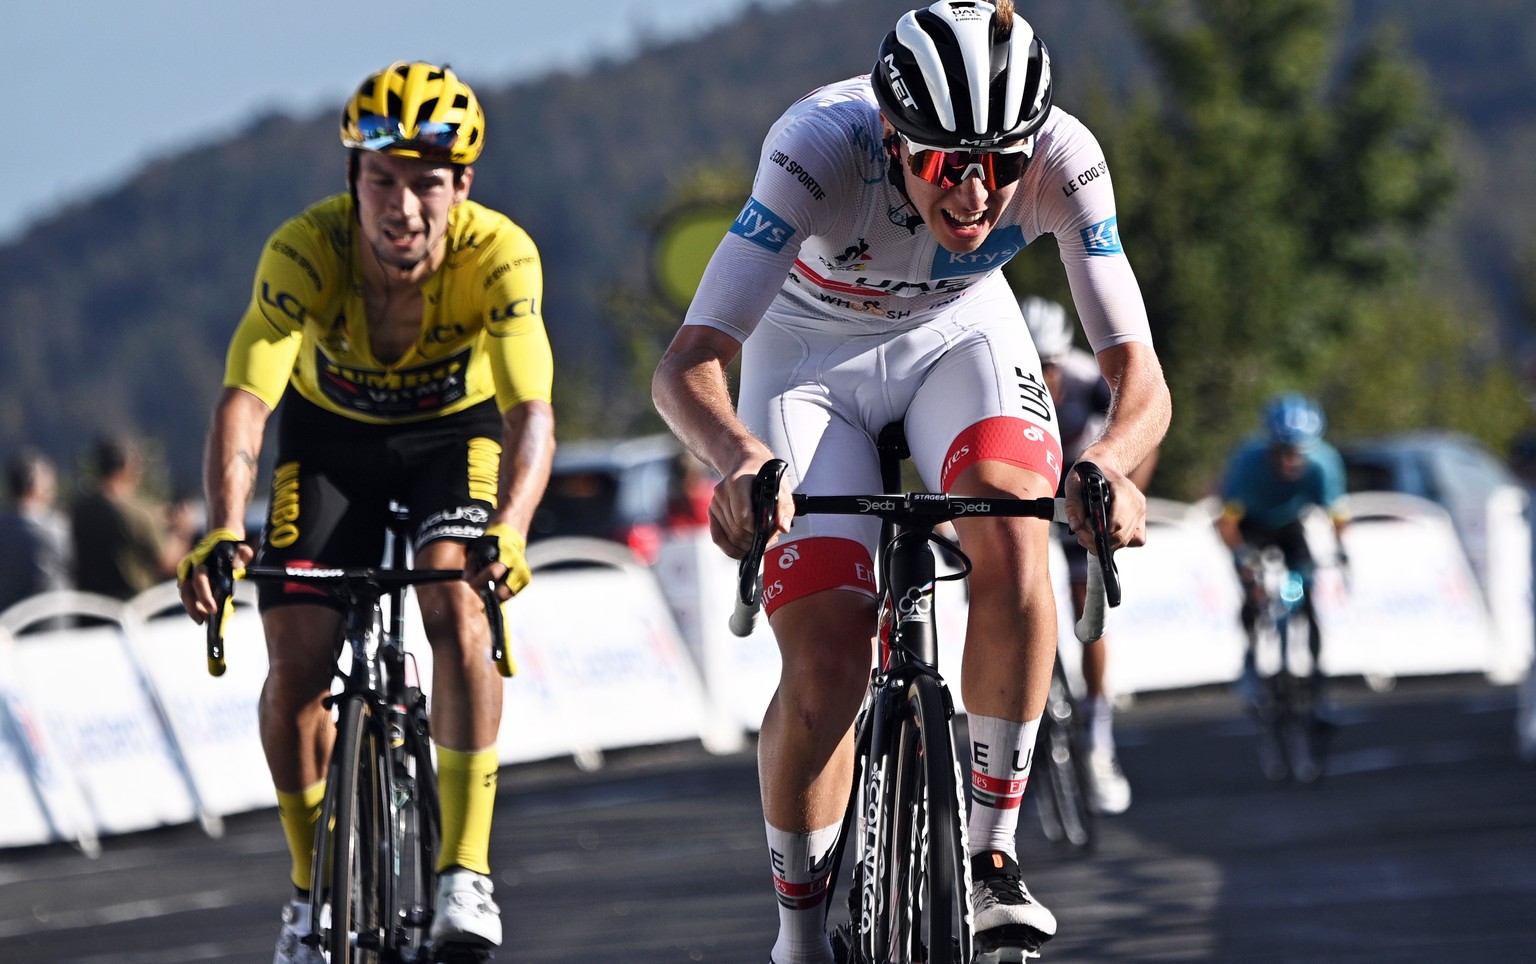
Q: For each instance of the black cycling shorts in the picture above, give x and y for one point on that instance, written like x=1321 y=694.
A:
x=335 y=478
x=1290 y=538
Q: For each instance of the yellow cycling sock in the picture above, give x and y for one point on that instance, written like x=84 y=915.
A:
x=300 y=814
x=466 y=783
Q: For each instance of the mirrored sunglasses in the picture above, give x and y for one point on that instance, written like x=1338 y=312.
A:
x=948 y=168
x=434 y=139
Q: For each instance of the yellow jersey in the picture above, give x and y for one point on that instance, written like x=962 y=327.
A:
x=482 y=334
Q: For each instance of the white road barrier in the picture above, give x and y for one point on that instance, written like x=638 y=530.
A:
x=117 y=727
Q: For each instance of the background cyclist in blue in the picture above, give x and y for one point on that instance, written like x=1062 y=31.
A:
x=1271 y=482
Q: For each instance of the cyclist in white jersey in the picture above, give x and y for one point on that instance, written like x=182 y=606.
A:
x=861 y=284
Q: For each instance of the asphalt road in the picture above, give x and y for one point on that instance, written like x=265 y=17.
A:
x=1419 y=845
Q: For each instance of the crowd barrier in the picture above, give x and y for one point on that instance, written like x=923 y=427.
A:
x=116 y=726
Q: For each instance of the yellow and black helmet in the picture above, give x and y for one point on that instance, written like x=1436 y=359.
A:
x=415 y=109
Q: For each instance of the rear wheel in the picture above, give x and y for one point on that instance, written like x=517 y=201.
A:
x=357 y=870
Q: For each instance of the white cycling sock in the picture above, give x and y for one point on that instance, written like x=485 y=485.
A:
x=802 y=867
x=1001 y=754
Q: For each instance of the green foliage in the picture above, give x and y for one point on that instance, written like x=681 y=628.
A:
x=1274 y=185
x=645 y=320
x=1272 y=200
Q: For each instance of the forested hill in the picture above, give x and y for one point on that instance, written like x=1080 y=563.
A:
x=115 y=312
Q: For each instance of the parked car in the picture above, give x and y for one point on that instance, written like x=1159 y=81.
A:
x=1448 y=468
x=613 y=489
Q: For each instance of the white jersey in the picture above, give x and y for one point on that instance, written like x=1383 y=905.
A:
x=827 y=236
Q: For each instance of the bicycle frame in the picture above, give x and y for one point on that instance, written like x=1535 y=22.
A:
x=907 y=788
x=382 y=754
x=1285 y=595
x=906 y=670
x=1293 y=738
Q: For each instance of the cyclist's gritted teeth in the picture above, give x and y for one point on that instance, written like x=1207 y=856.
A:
x=964 y=222
x=402 y=237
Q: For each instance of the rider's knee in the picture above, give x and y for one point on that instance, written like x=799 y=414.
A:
x=450 y=612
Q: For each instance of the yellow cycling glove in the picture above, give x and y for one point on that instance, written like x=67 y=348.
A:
x=202 y=551
x=511 y=547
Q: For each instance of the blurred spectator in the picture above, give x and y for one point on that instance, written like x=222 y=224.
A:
x=689 y=492
x=121 y=541
x=34 y=536
x=184 y=516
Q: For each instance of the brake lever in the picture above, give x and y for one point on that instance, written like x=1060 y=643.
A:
x=765 y=502
x=221 y=579
x=1098 y=499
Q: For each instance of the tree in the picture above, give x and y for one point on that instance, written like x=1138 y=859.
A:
x=1272 y=193
x=645 y=312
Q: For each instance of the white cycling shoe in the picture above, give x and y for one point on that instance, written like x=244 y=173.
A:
x=291 y=948
x=1109 y=792
x=1010 y=925
x=466 y=913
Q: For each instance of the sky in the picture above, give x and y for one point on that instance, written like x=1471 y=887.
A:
x=113 y=85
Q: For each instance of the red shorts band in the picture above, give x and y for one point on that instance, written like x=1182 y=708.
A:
x=1005 y=439
x=808 y=566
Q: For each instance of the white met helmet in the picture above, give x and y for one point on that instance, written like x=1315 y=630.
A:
x=963 y=75
x=1048 y=326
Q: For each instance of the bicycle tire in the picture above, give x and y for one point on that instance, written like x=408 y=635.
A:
x=418 y=824
x=358 y=880
x=938 y=881
x=869 y=901
x=1061 y=762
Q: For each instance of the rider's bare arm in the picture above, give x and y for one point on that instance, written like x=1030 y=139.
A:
x=691 y=393
x=230 y=466
x=527 y=454
x=1138 y=418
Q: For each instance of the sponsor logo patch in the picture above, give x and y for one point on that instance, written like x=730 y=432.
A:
x=407 y=391
x=1103 y=239
x=1000 y=246
x=762 y=227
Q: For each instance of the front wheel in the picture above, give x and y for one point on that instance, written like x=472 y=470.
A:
x=356 y=874
x=929 y=874
x=417 y=838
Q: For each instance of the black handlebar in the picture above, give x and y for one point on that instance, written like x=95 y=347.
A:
x=930 y=509
x=222 y=576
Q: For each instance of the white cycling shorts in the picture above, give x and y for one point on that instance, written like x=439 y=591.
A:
x=965 y=383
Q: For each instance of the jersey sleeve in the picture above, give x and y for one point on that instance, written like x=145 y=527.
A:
x=1331 y=466
x=288 y=285
x=1236 y=481
x=1077 y=206
x=516 y=341
x=794 y=196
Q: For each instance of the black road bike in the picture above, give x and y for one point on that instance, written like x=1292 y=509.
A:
x=377 y=841
x=909 y=896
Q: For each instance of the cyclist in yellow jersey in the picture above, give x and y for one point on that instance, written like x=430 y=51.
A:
x=396 y=330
